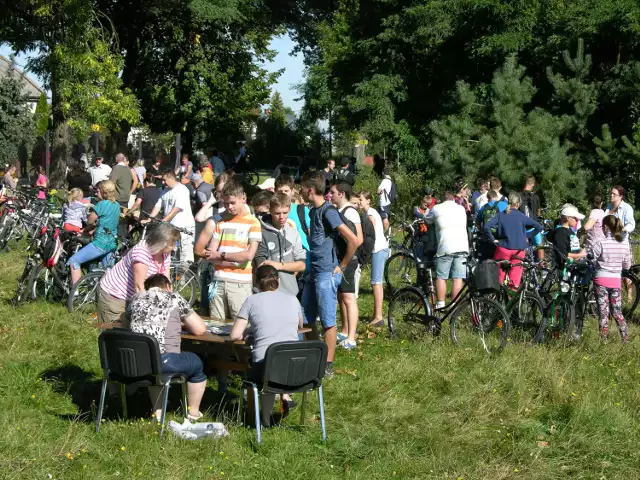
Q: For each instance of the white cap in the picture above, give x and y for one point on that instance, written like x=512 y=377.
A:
x=268 y=184
x=571 y=211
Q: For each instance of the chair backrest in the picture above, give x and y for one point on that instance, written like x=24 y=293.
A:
x=294 y=366
x=127 y=355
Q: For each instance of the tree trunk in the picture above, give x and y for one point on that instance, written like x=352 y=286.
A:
x=60 y=141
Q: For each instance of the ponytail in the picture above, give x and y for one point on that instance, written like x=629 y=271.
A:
x=614 y=225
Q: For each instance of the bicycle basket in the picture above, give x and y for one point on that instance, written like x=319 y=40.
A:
x=486 y=277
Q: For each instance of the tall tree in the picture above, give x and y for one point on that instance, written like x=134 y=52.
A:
x=76 y=63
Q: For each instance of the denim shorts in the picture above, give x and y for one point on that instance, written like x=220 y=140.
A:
x=378 y=260
x=384 y=211
x=320 y=298
x=449 y=266
x=85 y=255
x=185 y=362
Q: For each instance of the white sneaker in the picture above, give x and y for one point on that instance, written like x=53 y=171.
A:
x=347 y=345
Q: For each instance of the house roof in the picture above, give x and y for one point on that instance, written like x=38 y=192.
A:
x=29 y=87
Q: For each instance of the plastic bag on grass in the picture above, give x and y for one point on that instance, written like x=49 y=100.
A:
x=196 y=431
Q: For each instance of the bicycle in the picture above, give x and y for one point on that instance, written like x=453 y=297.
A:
x=472 y=314
x=561 y=312
x=401 y=268
x=523 y=304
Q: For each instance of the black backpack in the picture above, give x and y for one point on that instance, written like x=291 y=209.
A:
x=345 y=175
x=340 y=244
x=368 y=238
x=392 y=196
x=302 y=219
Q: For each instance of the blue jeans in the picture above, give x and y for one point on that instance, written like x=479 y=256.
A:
x=378 y=260
x=320 y=297
x=85 y=255
x=185 y=362
x=205 y=280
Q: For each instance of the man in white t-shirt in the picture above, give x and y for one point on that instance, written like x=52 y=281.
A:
x=100 y=171
x=384 y=201
x=450 y=220
x=176 y=206
x=340 y=193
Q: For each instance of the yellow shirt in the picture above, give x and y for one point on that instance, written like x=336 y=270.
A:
x=207 y=175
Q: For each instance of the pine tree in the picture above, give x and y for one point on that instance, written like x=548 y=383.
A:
x=41 y=117
x=500 y=135
x=278 y=113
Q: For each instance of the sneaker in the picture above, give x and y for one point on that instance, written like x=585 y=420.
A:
x=342 y=337
x=328 y=372
x=347 y=345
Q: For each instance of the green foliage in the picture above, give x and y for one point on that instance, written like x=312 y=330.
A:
x=277 y=113
x=392 y=68
x=41 y=115
x=16 y=121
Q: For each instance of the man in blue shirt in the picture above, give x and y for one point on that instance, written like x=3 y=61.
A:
x=319 y=297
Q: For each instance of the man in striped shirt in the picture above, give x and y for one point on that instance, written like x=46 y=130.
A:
x=231 y=251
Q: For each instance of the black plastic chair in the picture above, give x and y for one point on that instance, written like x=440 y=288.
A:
x=130 y=358
x=291 y=367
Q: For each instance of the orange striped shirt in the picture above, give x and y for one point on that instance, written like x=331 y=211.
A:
x=234 y=236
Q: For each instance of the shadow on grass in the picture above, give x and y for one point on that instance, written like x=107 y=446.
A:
x=84 y=388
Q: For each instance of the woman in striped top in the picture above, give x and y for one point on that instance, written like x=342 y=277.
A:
x=611 y=255
x=126 y=278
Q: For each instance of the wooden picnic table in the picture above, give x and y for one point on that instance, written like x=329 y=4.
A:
x=220 y=352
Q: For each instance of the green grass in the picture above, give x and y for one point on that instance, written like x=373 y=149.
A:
x=397 y=410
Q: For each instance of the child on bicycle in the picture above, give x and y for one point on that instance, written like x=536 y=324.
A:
x=74 y=213
x=611 y=255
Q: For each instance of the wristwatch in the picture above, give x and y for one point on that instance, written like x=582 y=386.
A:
x=223 y=255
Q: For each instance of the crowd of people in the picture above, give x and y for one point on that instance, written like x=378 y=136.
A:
x=293 y=254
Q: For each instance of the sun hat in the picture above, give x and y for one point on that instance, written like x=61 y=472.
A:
x=571 y=211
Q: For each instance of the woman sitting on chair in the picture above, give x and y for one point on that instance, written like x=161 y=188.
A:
x=274 y=317
x=159 y=312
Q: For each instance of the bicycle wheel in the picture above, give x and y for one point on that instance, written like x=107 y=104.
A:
x=408 y=313
x=630 y=299
x=6 y=231
x=562 y=320
x=252 y=178
x=480 y=320
x=83 y=296
x=184 y=281
x=400 y=270
x=527 y=319
x=23 y=284
x=41 y=284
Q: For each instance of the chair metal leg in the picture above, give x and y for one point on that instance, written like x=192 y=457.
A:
x=241 y=405
x=304 y=403
x=185 y=400
x=321 y=399
x=165 y=401
x=123 y=398
x=103 y=394
x=256 y=400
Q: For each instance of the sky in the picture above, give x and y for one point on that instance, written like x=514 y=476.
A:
x=292 y=75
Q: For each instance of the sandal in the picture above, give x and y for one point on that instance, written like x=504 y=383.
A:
x=377 y=324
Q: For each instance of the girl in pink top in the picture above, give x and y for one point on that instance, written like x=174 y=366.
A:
x=42 y=181
x=611 y=255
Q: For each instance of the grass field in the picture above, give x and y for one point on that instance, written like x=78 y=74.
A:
x=394 y=410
